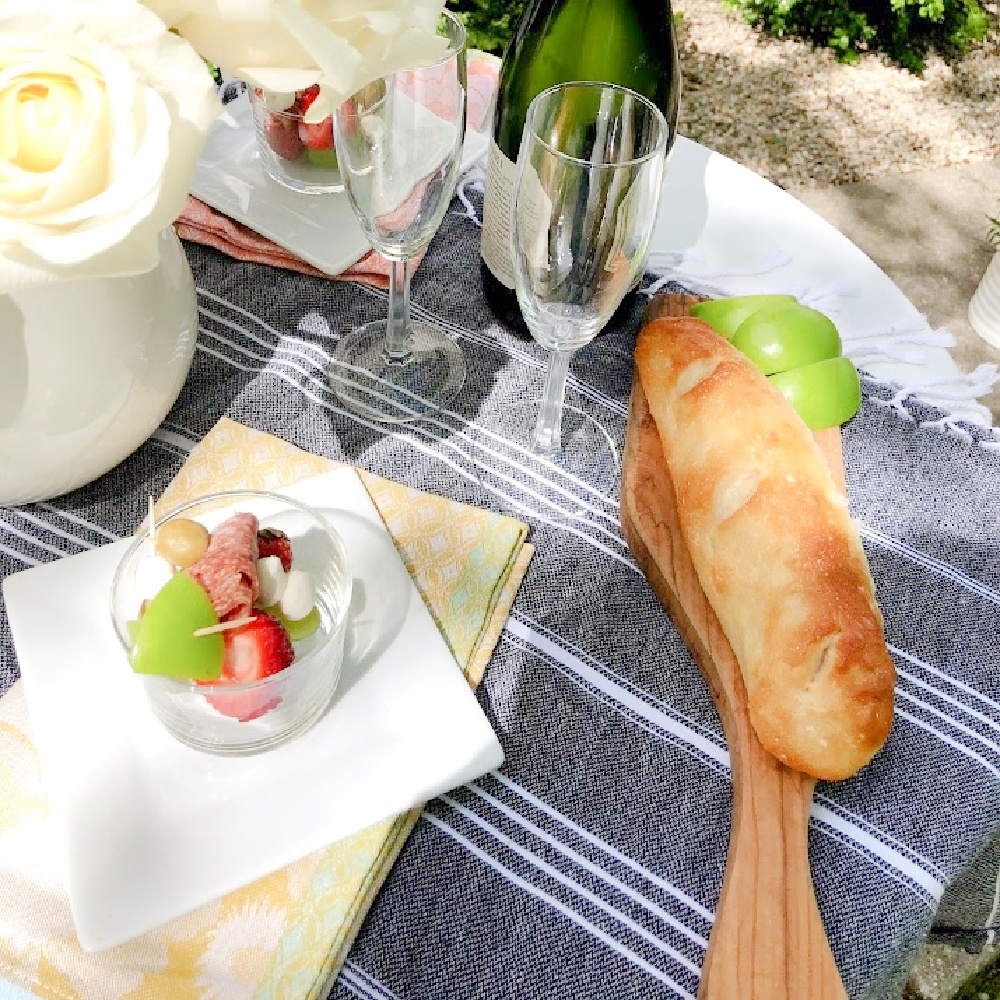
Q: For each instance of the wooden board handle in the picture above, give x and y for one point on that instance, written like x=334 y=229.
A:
x=768 y=941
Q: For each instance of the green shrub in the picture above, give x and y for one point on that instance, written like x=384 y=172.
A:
x=903 y=29
x=489 y=23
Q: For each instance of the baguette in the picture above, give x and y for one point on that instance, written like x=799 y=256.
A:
x=774 y=549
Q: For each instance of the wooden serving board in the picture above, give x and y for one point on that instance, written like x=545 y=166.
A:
x=768 y=941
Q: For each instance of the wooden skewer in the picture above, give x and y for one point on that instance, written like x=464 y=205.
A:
x=223 y=626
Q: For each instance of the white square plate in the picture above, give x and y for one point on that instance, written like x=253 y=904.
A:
x=152 y=829
x=320 y=229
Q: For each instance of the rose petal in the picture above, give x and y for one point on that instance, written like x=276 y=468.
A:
x=246 y=42
x=147 y=102
x=128 y=199
x=345 y=44
x=338 y=60
x=277 y=80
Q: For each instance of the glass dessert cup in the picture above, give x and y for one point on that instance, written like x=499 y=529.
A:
x=240 y=719
x=293 y=153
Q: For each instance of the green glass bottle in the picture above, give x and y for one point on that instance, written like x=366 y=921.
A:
x=628 y=42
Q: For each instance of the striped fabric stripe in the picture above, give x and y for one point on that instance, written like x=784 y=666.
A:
x=594 y=856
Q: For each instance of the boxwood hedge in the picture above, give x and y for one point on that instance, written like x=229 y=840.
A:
x=903 y=29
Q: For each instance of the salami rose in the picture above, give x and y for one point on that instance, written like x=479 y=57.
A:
x=228 y=569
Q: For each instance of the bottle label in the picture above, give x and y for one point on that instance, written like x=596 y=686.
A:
x=534 y=212
x=498 y=216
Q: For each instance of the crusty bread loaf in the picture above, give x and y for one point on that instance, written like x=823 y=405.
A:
x=774 y=548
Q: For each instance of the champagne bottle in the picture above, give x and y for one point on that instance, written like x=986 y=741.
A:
x=627 y=42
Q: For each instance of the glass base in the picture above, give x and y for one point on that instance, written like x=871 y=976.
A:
x=587 y=451
x=305 y=179
x=392 y=391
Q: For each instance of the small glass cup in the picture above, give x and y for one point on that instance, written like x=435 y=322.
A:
x=207 y=716
x=297 y=155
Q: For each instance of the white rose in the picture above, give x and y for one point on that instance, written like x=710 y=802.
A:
x=288 y=45
x=103 y=114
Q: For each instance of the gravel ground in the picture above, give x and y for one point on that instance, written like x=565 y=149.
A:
x=793 y=114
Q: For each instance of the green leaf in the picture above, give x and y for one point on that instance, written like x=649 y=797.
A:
x=993 y=233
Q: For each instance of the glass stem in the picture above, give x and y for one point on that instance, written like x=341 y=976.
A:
x=547 y=438
x=397 y=333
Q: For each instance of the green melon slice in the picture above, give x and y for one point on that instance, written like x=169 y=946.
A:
x=725 y=315
x=164 y=640
x=322 y=157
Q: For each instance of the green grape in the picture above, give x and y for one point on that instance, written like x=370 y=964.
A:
x=297 y=629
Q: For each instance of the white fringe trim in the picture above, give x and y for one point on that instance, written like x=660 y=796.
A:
x=948 y=393
x=473 y=180
x=901 y=342
x=718 y=284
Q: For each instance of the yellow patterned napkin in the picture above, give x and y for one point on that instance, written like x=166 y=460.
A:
x=285 y=935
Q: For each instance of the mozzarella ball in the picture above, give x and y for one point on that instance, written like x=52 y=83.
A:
x=299 y=597
x=273 y=581
x=151 y=573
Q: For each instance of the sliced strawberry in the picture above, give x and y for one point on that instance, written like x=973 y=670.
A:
x=304 y=98
x=251 y=653
x=256 y=650
x=318 y=135
x=274 y=542
x=282 y=135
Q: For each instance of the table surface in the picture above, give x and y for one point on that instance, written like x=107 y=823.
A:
x=732 y=224
x=571 y=871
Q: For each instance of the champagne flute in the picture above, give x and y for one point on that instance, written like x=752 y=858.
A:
x=399 y=148
x=586 y=191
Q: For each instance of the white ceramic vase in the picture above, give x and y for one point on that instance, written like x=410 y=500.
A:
x=984 y=308
x=88 y=370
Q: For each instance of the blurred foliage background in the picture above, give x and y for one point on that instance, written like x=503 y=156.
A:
x=489 y=23
x=902 y=29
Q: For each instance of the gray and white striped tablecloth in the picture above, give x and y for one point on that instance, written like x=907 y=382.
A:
x=589 y=866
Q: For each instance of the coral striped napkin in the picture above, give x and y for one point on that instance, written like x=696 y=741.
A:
x=200 y=223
